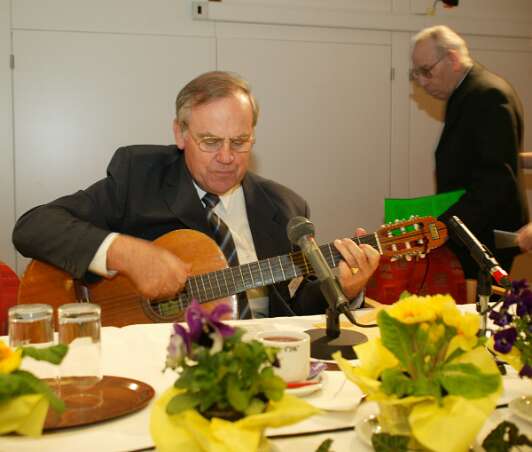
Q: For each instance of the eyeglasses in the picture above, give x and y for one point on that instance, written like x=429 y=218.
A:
x=424 y=71
x=213 y=144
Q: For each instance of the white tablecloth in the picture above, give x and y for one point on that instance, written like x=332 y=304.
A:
x=139 y=351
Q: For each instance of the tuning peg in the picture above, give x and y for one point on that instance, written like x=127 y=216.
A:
x=408 y=257
x=422 y=255
x=394 y=259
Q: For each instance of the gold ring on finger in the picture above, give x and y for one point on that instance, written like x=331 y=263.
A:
x=354 y=270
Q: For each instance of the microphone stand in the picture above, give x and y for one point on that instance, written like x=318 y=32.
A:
x=482 y=298
x=323 y=343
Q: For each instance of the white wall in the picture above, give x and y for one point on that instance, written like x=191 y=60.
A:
x=91 y=76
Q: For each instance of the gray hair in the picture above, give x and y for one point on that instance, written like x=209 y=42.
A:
x=210 y=86
x=445 y=39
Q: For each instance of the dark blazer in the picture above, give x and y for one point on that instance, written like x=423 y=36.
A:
x=478 y=151
x=148 y=192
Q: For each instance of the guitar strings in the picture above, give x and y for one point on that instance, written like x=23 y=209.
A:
x=217 y=285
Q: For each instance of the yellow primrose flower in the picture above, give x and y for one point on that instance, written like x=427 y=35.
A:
x=436 y=332
x=9 y=359
x=412 y=310
x=466 y=326
x=442 y=304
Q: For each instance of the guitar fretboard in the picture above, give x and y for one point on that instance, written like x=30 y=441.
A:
x=234 y=280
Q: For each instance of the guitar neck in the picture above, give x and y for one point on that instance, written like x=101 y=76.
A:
x=233 y=280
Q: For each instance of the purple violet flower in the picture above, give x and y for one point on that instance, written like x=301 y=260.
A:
x=524 y=307
x=526 y=371
x=205 y=329
x=504 y=340
x=202 y=323
x=178 y=347
x=501 y=318
x=519 y=285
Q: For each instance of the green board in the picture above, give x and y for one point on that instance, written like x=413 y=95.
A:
x=424 y=206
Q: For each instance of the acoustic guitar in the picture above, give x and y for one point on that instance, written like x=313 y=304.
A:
x=212 y=281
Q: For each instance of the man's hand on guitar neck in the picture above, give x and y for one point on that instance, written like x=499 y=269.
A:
x=358 y=264
x=153 y=270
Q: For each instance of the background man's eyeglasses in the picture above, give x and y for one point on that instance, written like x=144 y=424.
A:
x=214 y=144
x=424 y=71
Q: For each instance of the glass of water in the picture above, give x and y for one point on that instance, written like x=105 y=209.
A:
x=79 y=328
x=32 y=325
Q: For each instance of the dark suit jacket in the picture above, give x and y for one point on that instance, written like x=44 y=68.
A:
x=148 y=192
x=478 y=151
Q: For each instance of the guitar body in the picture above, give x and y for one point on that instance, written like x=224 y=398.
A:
x=121 y=303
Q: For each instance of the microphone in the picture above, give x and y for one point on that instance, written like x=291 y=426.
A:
x=323 y=343
x=300 y=231
x=479 y=252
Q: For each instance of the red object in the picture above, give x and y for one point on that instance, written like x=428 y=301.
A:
x=9 y=283
x=439 y=273
x=300 y=384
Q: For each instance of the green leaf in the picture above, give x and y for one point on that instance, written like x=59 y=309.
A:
x=395 y=336
x=181 y=402
x=236 y=395
x=53 y=354
x=20 y=383
x=384 y=442
x=272 y=385
x=504 y=437
x=325 y=446
x=468 y=381
x=256 y=406
x=396 y=382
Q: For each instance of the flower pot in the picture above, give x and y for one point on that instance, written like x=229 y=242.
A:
x=393 y=419
x=193 y=432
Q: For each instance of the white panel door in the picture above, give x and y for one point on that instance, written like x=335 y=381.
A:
x=324 y=124
x=79 y=96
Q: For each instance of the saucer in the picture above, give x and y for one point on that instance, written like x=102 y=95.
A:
x=366 y=428
x=522 y=407
x=313 y=385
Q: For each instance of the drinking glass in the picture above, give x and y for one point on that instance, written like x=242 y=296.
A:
x=31 y=325
x=79 y=328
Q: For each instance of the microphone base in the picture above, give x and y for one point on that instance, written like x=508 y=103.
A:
x=322 y=346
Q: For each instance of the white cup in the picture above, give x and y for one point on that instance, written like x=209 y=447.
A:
x=293 y=355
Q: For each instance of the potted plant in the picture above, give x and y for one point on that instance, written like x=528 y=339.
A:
x=226 y=392
x=512 y=339
x=430 y=374
x=24 y=399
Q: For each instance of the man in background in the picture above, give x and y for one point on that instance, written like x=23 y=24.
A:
x=479 y=145
x=202 y=183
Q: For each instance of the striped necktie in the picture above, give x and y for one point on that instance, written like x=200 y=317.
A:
x=225 y=241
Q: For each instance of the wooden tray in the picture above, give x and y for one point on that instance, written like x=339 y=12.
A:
x=110 y=398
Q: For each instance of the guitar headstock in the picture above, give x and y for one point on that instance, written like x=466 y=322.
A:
x=413 y=237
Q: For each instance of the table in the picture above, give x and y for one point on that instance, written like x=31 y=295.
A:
x=139 y=352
